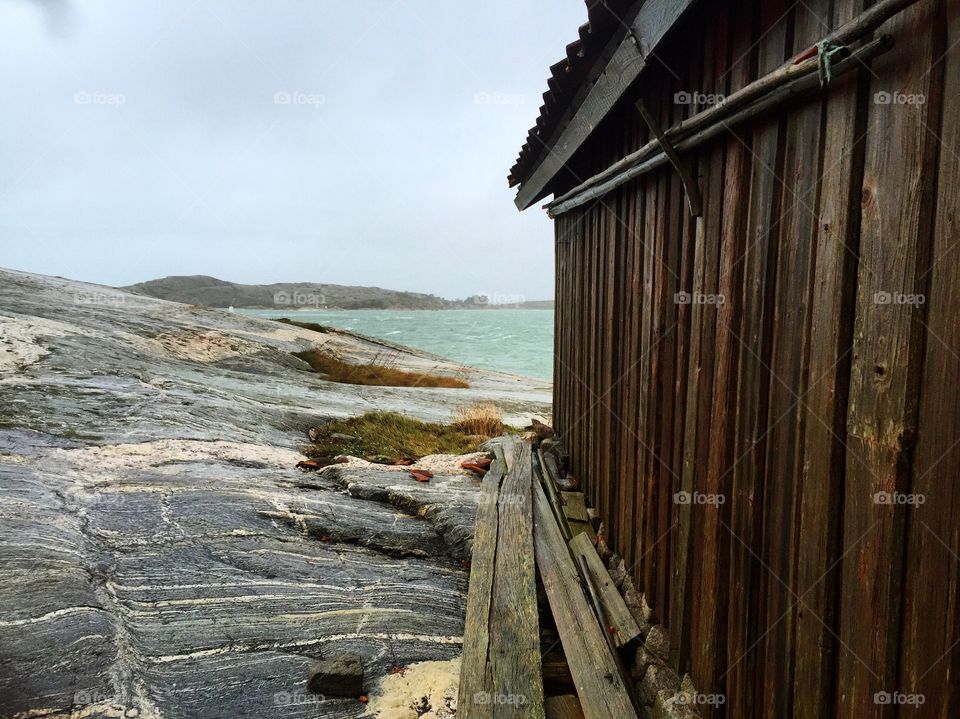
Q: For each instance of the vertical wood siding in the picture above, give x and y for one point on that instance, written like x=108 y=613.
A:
x=827 y=374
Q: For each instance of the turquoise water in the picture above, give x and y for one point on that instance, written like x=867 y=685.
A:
x=518 y=341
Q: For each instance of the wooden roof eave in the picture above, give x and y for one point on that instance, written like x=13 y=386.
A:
x=623 y=64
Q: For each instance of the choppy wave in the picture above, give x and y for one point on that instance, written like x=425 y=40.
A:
x=517 y=341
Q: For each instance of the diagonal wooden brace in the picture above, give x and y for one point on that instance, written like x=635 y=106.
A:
x=690 y=184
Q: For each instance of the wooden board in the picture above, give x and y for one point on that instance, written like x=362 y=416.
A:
x=584 y=528
x=566 y=706
x=615 y=609
x=501 y=671
x=896 y=229
x=574 y=506
x=599 y=686
x=931 y=622
x=825 y=401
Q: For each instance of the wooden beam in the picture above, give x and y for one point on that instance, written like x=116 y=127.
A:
x=648 y=29
x=621 y=621
x=651 y=157
x=602 y=692
x=500 y=675
x=791 y=71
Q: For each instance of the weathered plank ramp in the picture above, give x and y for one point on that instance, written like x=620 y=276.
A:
x=500 y=675
x=624 y=626
x=602 y=692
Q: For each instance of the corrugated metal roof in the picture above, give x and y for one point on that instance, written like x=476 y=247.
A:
x=604 y=19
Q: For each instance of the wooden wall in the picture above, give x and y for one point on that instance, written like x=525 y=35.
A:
x=800 y=396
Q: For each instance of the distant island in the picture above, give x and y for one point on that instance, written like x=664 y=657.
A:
x=211 y=292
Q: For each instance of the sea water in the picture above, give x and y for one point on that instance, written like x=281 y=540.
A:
x=509 y=340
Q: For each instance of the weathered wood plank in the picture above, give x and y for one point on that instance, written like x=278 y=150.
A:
x=474 y=676
x=896 y=227
x=794 y=230
x=745 y=626
x=574 y=506
x=599 y=686
x=514 y=647
x=703 y=554
x=501 y=671
x=711 y=590
x=825 y=402
x=654 y=19
x=621 y=620
x=930 y=662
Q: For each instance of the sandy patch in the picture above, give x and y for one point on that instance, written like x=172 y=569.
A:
x=19 y=345
x=205 y=346
x=425 y=690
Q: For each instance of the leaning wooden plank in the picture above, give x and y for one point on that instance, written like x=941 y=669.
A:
x=516 y=686
x=585 y=528
x=652 y=22
x=566 y=706
x=476 y=631
x=624 y=627
x=602 y=692
x=574 y=506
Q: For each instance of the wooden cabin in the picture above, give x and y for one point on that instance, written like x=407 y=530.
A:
x=757 y=352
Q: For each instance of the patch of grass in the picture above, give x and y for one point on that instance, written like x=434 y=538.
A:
x=482 y=418
x=377 y=373
x=313 y=326
x=391 y=435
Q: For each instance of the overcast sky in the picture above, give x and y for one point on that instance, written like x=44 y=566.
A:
x=363 y=142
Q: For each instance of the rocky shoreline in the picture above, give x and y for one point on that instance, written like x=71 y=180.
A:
x=161 y=555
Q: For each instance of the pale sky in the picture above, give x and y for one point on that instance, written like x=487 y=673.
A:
x=363 y=142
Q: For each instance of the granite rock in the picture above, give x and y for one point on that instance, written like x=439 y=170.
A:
x=160 y=554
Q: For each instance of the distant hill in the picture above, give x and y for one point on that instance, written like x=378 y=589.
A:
x=211 y=292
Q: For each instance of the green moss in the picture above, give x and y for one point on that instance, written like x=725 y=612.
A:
x=392 y=435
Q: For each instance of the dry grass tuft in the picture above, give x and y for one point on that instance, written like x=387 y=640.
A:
x=483 y=419
x=312 y=326
x=389 y=434
x=378 y=373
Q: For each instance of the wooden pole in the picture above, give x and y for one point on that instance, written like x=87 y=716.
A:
x=800 y=66
x=651 y=156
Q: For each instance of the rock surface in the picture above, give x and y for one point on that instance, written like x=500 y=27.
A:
x=160 y=556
